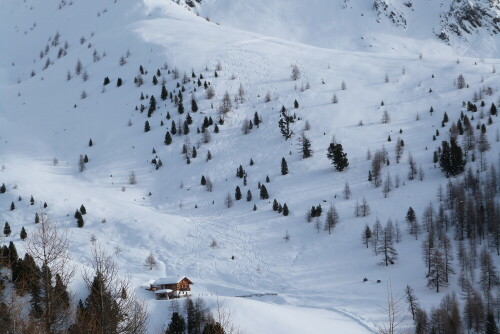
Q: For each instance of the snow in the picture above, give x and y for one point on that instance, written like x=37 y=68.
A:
x=318 y=277
x=169 y=280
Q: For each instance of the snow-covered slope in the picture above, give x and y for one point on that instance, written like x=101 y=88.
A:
x=317 y=277
x=469 y=27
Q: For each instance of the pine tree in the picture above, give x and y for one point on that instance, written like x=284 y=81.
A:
x=256 y=119
x=164 y=93
x=155 y=80
x=180 y=108
x=284 y=123
x=168 y=138
x=305 y=144
x=286 y=211
x=275 y=205
x=147 y=128
x=23 y=235
x=106 y=81
x=491 y=326
x=37 y=218
x=119 y=82
x=3 y=189
x=451 y=161
x=366 y=235
x=152 y=105
x=237 y=193
x=194 y=105
x=493 y=109
x=413 y=226
x=336 y=154
x=263 y=192
x=6 y=230
x=173 y=128
x=249 y=195
x=284 y=167
x=295 y=104
x=12 y=206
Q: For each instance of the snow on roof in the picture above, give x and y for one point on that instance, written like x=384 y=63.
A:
x=170 y=280
x=163 y=291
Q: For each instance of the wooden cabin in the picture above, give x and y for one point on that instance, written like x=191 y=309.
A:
x=171 y=287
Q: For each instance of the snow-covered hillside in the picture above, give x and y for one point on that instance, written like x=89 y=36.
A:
x=49 y=112
x=401 y=27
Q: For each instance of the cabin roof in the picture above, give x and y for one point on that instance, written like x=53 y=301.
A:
x=171 y=280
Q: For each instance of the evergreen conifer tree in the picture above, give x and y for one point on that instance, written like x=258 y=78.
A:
x=286 y=212
x=152 y=105
x=147 y=128
x=493 y=109
x=263 y=192
x=3 y=189
x=249 y=195
x=168 y=138
x=237 y=193
x=194 y=105
x=23 y=235
x=284 y=167
x=12 y=206
x=337 y=156
x=180 y=108
x=6 y=229
x=164 y=93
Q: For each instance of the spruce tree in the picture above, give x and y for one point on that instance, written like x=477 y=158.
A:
x=284 y=167
x=295 y=104
x=286 y=212
x=180 y=108
x=164 y=93
x=91 y=143
x=152 y=105
x=173 y=128
x=493 y=109
x=249 y=195
x=256 y=119
x=23 y=235
x=83 y=210
x=275 y=205
x=79 y=221
x=194 y=105
x=155 y=80
x=6 y=230
x=168 y=138
x=3 y=189
x=12 y=206
x=263 y=192
x=237 y=193
x=32 y=200
x=37 y=218
x=491 y=326
x=147 y=128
